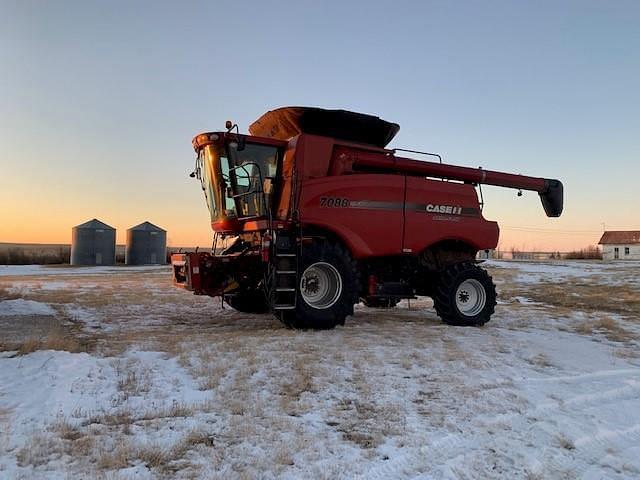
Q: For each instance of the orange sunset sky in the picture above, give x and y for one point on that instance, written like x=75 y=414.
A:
x=98 y=106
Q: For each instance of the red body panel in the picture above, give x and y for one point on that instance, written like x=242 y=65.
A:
x=378 y=215
x=186 y=271
x=425 y=225
x=371 y=228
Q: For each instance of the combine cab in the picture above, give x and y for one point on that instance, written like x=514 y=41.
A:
x=318 y=215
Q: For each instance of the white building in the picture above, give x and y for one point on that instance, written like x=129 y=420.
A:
x=621 y=245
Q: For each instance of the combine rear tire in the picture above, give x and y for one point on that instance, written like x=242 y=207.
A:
x=327 y=288
x=465 y=295
x=248 y=301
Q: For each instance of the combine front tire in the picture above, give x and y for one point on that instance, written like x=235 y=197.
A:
x=465 y=295
x=327 y=288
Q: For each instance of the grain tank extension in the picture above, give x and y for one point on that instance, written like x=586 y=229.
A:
x=321 y=215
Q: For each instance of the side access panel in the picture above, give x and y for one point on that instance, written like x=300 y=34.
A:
x=438 y=210
x=365 y=210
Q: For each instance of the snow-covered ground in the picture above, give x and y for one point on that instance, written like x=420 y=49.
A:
x=123 y=376
x=48 y=270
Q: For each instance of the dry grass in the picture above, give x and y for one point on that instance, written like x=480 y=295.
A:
x=368 y=424
x=115 y=458
x=133 y=378
x=25 y=334
x=39 y=450
x=122 y=416
x=197 y=437
x=211 y=379
x=565 y=442
x=589 y=297
x=540 y=360
x=528 y=475
x=55 y=341
x=5 y=429
x=126 y=454
x=627 y=352
x=126 y=416
x=110 y=451
x=8 y=293
x=60 y=439
x=283 y=454
x=608 y=327
x=159 y=459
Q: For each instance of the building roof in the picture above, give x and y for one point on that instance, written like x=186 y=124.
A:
x=147 y=227
x=620 y=237
x=95 y=224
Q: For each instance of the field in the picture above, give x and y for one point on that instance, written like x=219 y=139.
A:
x=110 y=372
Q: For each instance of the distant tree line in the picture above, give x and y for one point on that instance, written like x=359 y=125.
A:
x=29 y=256
x=589 y=253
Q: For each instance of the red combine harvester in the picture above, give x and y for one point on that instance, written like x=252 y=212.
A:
x=324 y=216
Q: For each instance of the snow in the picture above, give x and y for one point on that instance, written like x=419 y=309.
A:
x=30 y=270
x=53 y=386
x=392 y=394
x=556 y=271
x=24 y=307
x=47 y=383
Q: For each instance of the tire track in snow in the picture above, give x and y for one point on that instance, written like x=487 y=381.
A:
x=604 y=435
x=631 y=390
x=583 y=376
x=591 y=449
x=409 y=464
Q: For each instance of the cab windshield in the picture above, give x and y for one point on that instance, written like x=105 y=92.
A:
x=233 y=179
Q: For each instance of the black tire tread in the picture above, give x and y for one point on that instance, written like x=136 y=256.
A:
x=444 y=296
x=303 y=317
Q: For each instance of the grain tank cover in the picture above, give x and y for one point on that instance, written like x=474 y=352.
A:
x=287 y=122
x=93 y=243
x=146 y=245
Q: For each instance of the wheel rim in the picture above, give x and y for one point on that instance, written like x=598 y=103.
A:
x=320 y=285
x=470 y=297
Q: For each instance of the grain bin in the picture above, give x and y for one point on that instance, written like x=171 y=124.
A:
x=93 y=243
x=146 y=245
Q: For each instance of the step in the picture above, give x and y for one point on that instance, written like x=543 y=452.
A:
x=285 y=272
x=285 y=289
x=284 y=307
x=285 y=254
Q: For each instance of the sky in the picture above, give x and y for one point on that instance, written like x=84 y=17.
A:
x=99 y=102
